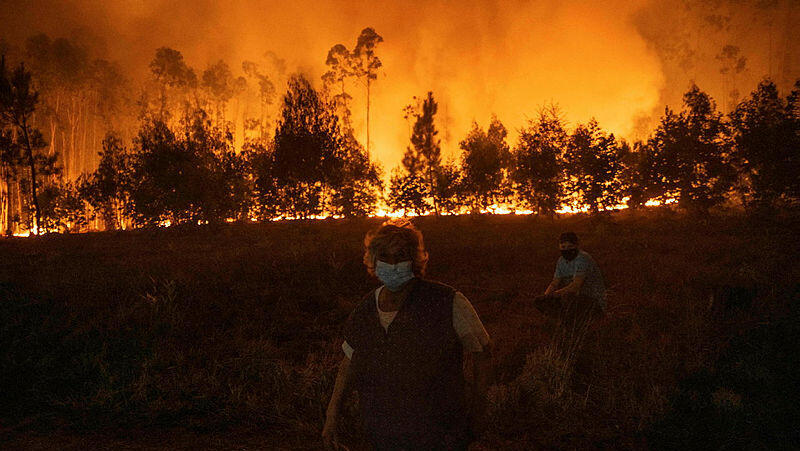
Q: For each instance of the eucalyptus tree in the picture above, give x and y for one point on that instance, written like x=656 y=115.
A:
x=18 y=101
x=592 y=165
x=171 y=72
x=538 y=162
x=691 y=153
x=484 y=158
x=766 y=132
x=366 y=64
x=423 y=157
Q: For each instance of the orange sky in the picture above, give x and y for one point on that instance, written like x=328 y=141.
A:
x=480 y=57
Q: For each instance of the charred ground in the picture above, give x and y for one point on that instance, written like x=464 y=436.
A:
x=228 y=337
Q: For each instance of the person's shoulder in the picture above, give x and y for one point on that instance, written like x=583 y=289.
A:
x=366 y=301
x=438 y=289
x=586 y=256
x=435 y=285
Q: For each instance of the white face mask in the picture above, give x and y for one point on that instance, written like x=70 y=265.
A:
x=394 y=276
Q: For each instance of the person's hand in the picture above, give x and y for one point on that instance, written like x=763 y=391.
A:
x=330 y=434
x=548 y=304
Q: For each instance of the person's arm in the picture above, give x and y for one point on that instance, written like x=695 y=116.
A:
x=574 y=287
x=552 y=287
x=476 y=342
x=341 y=388
x=481 y=373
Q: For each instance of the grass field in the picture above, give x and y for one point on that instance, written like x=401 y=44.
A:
x=228 y=337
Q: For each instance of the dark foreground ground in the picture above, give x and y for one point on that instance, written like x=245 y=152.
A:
x=228 y=338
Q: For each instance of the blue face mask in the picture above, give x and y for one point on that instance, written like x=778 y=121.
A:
x=394 y=276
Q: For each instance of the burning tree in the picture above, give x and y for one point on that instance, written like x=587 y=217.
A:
x=171 y=73
x=484 y=160
x=767 y=138
x=185 y=177
x=592 y=167
x=636 y=175
x=318 y=166
x=691 y=153
x=538 y=160
x=423 y=157
x=367 y=63
x=18 y=102
x=108 y=188
x=408 y=192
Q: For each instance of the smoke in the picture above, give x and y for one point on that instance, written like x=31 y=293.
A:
x=617 y=61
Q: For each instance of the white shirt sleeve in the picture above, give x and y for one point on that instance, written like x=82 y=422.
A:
x=468 y=325
x=348 y=350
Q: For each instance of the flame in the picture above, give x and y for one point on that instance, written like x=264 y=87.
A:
x=384 y=212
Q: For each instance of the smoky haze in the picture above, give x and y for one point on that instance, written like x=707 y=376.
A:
x=618 y=61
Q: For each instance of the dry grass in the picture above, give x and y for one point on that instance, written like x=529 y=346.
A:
x=236 y=329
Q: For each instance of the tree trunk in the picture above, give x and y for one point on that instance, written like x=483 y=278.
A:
x=32 y=165
x=5 y=206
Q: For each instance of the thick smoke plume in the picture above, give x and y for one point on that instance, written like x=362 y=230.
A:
x=617 y=61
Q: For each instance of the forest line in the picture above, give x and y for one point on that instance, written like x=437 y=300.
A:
x=186 y=162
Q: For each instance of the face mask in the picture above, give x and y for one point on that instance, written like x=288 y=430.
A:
x=394 y=276
x=569 y=254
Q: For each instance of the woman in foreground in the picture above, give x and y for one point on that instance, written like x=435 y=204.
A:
x=404 y=349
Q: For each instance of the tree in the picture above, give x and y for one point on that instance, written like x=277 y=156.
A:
x=18 y=102
x=266 y=96
x=538 y=159
x=171 y=72
x=340 y=67
x=408 y=192
x=308 y=152
x=484 y=158
x=366 y=63
x=265 y=193
x=185 y=177
x=355 y=189
x=107 y=189
x=691 y=153
x=220 y=86
x=592 y=167
x=636 y=175
x=423 y=157
x=63 y=208
x=449 y=188
x=767 y=139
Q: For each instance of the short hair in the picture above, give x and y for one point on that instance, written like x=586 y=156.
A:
x=568 y=237
x=400 y=240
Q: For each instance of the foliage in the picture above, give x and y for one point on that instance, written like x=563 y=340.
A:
x=181 y=332
x=484 y=160
x=538 y=160
x=408 y=192
x=691 y=153
x=766 y=132
x=592 y=167
x=423 y=157
x=357 y=187
x=187 y=177
x=107 y=189
x=635 y=176
x=18 y=100
x=63 y=208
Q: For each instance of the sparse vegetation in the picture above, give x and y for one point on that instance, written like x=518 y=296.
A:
x=229 y=334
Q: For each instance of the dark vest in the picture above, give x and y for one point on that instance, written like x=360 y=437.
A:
x=410 y=378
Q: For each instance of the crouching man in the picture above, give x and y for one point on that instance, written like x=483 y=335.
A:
x=577 y=286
